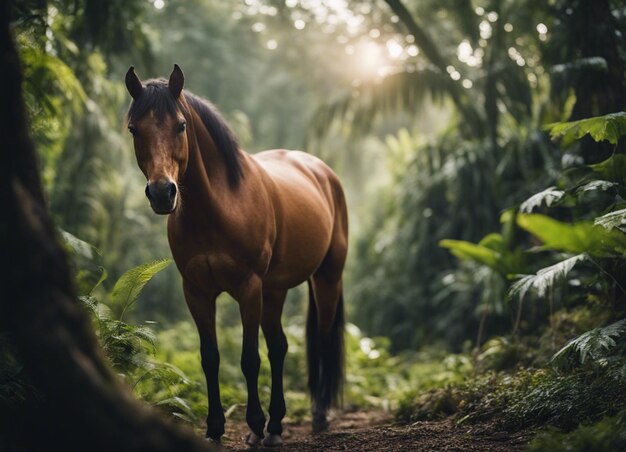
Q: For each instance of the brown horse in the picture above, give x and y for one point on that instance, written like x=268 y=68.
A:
x=253 y=226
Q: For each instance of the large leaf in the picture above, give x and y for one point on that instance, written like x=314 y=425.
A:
x=544 y=278
x=86 y=260
x=612 y=169
x=608 y=127
x=547 y=197
x=128 y=287
x=471 y=251
x=577 y=238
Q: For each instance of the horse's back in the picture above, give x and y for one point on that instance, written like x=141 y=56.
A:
x=310 y=211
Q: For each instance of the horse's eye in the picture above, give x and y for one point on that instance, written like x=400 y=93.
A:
x=132 y=130
x=181 y=127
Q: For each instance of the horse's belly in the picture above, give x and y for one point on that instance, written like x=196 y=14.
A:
x=285 y=276
x=299 y=251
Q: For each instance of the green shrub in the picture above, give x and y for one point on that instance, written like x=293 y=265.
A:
x=607 y=435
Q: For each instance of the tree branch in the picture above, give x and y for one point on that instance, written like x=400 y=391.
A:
x=431 y=52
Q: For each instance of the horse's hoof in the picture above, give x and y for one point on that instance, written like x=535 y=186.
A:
x=253 y=439
x=272 y=440
x=320 y=424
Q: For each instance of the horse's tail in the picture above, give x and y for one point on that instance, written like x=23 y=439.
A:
x=325 y=355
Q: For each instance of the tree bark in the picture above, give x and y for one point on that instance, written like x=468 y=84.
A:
x=83 y=404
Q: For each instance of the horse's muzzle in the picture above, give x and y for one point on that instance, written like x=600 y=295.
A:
x=162 y=195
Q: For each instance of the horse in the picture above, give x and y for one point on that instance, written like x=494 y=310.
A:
x=252 y=226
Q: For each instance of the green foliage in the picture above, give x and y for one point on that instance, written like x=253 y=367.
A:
x=129 y=285
x=611 y=220
x=607 y=435
x=522 y=399
x=479 y=253
x=580 y=237
x=545 y=278
x=548 y=196
x=608 y=127
x=491 y=251
x=15 y=386
x=612 y=169
x=593 y=344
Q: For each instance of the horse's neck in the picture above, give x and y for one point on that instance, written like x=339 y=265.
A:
x=205 y=182
x=205 y=162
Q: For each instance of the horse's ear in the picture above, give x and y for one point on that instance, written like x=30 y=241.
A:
x=177 y=80
x=133 y=84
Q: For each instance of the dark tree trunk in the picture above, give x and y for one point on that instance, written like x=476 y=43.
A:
x=82 y=405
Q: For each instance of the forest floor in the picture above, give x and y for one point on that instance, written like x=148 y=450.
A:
x=375 y=430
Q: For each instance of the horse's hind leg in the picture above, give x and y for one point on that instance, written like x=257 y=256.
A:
x=276 y=350
x=325 y=328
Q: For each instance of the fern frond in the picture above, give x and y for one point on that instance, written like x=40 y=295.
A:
x=594 y=343
x=404 y=91
x=128 y=287
x=611 y=220
x=548 y=196
x=597 y=185
x=179 y=408
x=544 y=278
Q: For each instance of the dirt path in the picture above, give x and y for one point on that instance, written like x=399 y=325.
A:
x=375 y=431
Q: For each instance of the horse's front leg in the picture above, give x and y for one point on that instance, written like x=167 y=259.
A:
x=276 y=350
x=250 y=306
x=202 y=307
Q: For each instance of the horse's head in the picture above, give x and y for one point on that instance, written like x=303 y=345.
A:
x=157 y=121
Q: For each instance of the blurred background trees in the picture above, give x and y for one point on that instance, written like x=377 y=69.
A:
x=432 y=113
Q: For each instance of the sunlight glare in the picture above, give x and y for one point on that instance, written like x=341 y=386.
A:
x=159 y=4
x=394 y=49
x=370 y=59
x=412 y=50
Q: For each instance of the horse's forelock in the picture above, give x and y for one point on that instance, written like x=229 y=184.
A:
x=155 y=97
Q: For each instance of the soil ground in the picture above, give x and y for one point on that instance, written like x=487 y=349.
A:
x=376 y=431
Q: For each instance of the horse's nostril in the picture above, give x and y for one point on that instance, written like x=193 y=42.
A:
x=148 y=191
x=172 y=191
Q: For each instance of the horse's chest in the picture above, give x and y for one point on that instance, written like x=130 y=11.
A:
x=216 y=262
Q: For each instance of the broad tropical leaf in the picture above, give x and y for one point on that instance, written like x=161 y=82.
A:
x=581 y=237
x=548 y=196
x=128 y=287
x=608 y=127
x=544 y=278
x=612 y=169
x=77 y=246
x=471 y=251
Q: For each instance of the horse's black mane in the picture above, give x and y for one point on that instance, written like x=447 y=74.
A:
x=157 y=97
